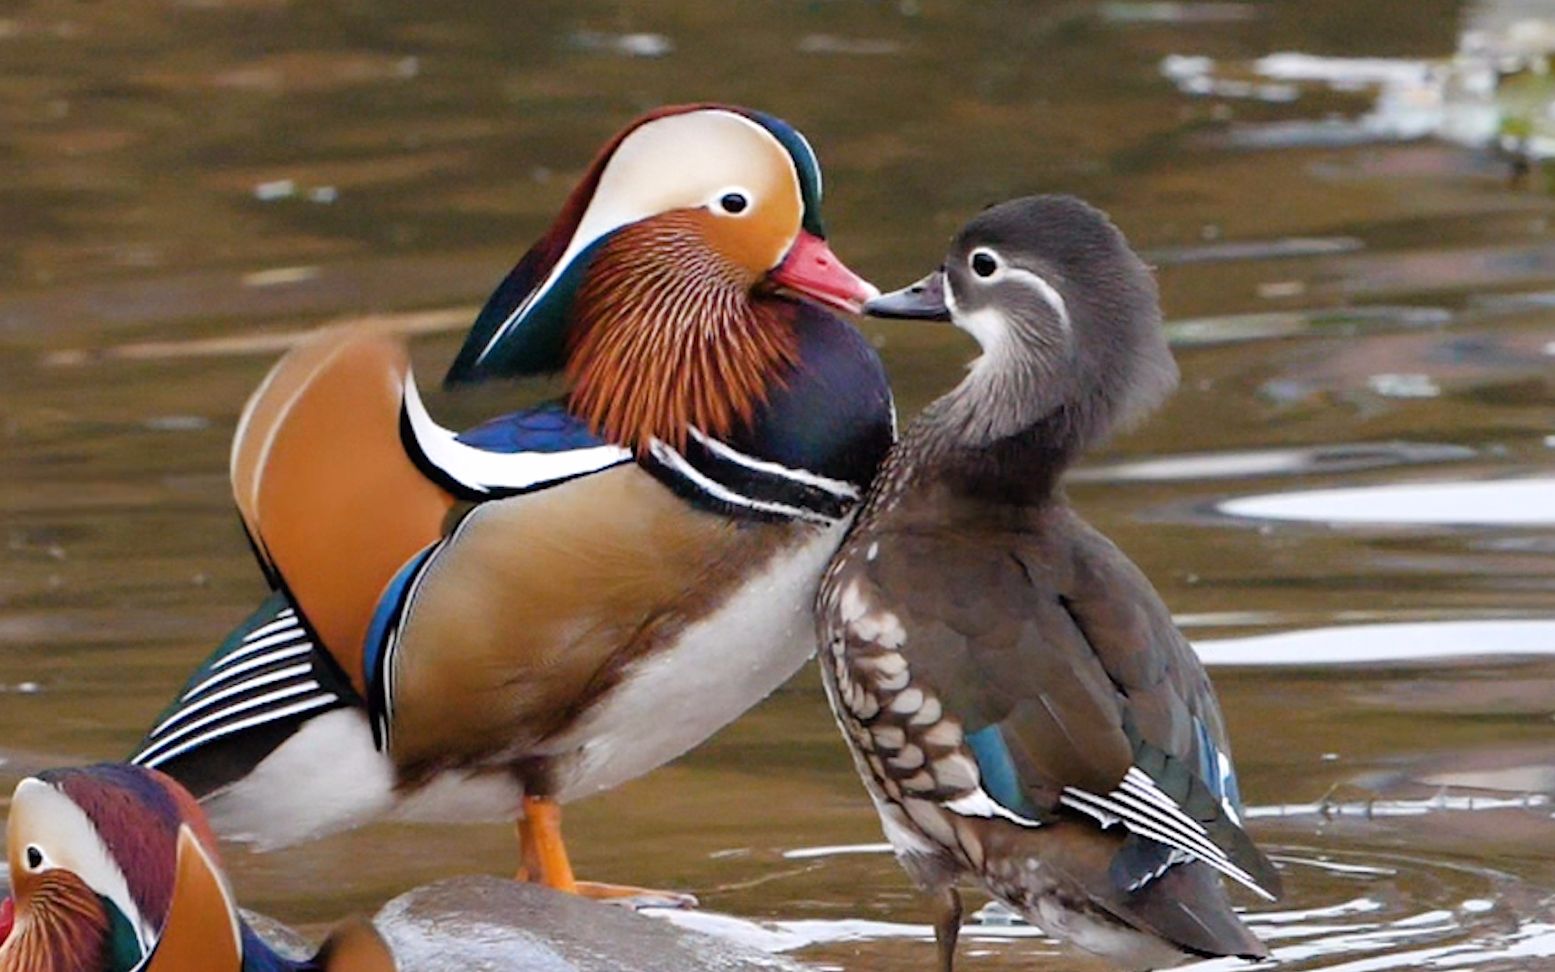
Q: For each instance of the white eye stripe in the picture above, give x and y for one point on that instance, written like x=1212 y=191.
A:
x=1036 y=282
x=641 y=180
x=1045 y=290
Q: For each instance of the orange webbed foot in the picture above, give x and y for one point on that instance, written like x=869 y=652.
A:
x=544 y=861
x=635 y=897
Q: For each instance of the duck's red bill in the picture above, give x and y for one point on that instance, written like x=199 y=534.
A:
x=813 y=270
x=7 y=918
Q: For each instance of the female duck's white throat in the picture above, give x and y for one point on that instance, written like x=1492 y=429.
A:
x=1016 y=381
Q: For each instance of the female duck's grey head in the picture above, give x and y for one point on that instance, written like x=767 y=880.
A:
x=1068 y=318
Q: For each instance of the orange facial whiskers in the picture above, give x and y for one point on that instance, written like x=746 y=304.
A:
x=667 y=335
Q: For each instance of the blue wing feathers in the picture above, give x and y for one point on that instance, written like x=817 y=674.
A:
x=1215 y=770
x=997 y=767
x=544 y=428
x=376 y=660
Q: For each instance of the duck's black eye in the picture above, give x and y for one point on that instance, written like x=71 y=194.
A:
x=34 y=857
x=984 y=264
x=733 y=203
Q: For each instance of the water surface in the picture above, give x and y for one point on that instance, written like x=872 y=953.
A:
x=1364 y=324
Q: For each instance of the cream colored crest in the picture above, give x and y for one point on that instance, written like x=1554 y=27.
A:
x=689 y=161
x=48 y=831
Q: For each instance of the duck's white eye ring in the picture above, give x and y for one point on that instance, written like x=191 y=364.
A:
x=34 y=857
x=732 y=202
x=984 y=262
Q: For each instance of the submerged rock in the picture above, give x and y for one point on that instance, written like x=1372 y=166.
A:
x=486 y=923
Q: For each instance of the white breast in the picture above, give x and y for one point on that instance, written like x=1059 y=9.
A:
x=718 y=668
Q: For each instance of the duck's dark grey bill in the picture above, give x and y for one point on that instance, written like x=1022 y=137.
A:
x=924 y=301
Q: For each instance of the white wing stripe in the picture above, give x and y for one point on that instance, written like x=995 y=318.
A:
x=153 y=762
x=252 y=644
x=1132 y=820
x=1143 y=787
x=979 y=804
x=483 y=472
x=248 y=666
x=221 y=714
x=1135 y=809
x=804 y=477
x=662 y=452
x=285 y=619
x=227 y=693
x=1104 y=809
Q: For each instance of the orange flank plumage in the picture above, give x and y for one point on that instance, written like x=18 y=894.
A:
x=325 y=487
x=201 y=931
x=657 y=349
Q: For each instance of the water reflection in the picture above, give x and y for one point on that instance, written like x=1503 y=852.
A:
x=185 y=189
x=1386 y=644
x=1452 y=920
x=1250 y=463
x=1494 y=91
x=1499 y=503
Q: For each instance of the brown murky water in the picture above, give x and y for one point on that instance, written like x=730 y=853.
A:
x=184 y=184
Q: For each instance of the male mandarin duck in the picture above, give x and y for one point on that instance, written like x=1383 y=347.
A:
x=1021 y=708
x=641 y=564
x=114 y=869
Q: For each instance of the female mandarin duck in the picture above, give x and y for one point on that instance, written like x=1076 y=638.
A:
x=1021 y=707
x=114 y=869
x=643 y=564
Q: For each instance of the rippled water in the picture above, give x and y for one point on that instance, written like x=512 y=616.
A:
x=1349 y=503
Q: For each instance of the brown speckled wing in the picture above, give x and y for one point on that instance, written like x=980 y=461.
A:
x=1055 y=680
x=1171 y=714
x=1162 y=682
x=989 y=649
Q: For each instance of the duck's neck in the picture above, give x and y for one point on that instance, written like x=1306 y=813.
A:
x=1005 y=434
x=1024 y=468
x=667 y=334
x=997 y=445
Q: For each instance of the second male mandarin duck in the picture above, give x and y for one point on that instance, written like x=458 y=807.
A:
x=114 y=869
x=640 y=566
x=1021 y=707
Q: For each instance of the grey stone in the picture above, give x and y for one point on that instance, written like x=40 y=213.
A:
x=282 y=938
x=485 y=923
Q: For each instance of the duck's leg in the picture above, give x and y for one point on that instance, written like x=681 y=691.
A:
x=545 y=860
x=528 y=850
x=947 y=926
x=544 y=854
